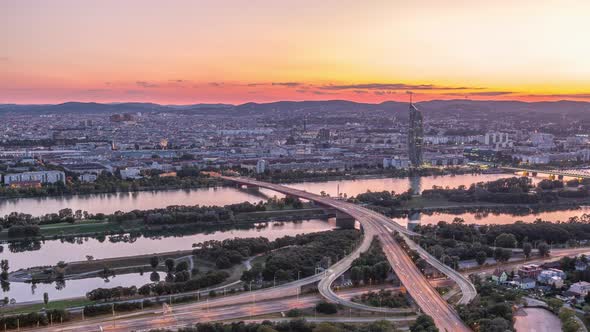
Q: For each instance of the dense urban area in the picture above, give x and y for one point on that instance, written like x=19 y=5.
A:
x=295 y=216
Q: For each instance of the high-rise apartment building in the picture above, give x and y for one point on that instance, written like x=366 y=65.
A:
x=415 y=136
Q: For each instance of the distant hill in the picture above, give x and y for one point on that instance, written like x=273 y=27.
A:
x=434 y=108
x=91 y=108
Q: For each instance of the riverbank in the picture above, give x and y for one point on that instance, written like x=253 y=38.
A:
x=223 y=195
x=206 y=182
x=98 y=228
x=112 y=187
x=383 y=174
x=419 y=203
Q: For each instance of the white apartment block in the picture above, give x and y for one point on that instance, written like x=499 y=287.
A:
x=42 y=176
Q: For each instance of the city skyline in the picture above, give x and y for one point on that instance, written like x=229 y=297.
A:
x=196 y=51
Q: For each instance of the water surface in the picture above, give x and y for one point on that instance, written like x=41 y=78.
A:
x=109 y=203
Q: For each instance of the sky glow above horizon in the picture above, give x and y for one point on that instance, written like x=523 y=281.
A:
x=234 y=51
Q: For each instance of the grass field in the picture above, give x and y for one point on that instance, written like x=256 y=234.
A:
x=59 y=304
x=81 y=228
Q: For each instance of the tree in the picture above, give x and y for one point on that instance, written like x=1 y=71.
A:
x=571 y=325
x=481 y=257
x=223 y=262
x=381 y=270
x=326 y=308
x=356 y=275
x=294 y=313
x=502 y=255
x=326 y=327
x=526 y=249
x=543 y=248
x=154 y=276
x=45 y=298
x=144 y=290
x=381 y=326
x=505 y=240
x=554 y=304
x=424 y=323
x=566 y=313
x=182 y=266
x=169 y=264
x=497 y=324
x=265 y=328
x=247 y=276
x=437 y=250
x=569 y=322
x=154 y=262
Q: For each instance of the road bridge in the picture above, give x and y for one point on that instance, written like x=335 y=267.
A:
x=581 y=173
x=377 y=225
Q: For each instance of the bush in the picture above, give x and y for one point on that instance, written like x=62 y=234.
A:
x=24 y=231
x=104 y=309
x=24 y=320
x=424 y=323
x=294 y=313
x=326 y=308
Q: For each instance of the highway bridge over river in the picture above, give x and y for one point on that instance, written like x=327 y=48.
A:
x=579 y=173
x=377 y=225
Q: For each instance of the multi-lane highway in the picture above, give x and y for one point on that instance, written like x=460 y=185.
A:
x=376 y=225
x=242 y=306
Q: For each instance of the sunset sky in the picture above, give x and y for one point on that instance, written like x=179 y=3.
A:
x=233 y=51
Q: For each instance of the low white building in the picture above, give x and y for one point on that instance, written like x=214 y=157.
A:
x=527 y=283
x=556 y=282
x=396 y=162
x=131 y=173
x=534 y=159
x=543 y=140
x=41 y=176
x=444 y=159
x=495 y=138
x=580 y=288
x=546 y=275
x=88 y=177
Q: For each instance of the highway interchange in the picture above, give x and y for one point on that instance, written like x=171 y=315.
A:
x=287 y=296
x=376 y=225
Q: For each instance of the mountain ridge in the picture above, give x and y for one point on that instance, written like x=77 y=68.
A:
x=567 y=107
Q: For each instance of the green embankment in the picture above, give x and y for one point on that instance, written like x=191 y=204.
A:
x=92 y=227
x=58 y=304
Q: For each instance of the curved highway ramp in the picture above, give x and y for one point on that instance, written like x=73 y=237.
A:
x=375 y=224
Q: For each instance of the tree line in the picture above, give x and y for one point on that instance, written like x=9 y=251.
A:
x=25 y=225
x=512 y=190
x=295 y=325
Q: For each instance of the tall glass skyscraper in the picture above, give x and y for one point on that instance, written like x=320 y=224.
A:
x=415 y=137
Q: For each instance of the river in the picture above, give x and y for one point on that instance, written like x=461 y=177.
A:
x=109 y=203
x=26 y=292
x=51 y=252
x=492 y=218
